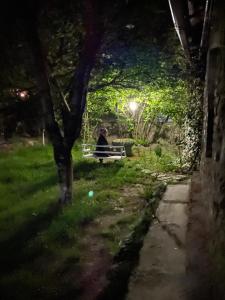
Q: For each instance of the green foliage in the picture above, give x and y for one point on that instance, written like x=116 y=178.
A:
x=148 y=192
x=159 y=96
x=151 y=162
x=158 y=151
x=193 y=125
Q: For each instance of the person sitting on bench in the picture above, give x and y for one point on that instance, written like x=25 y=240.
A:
x=102 y=141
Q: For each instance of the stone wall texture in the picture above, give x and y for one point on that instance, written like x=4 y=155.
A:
x=213 y=154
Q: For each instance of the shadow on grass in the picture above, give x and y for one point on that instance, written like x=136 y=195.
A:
x=45 y=165
x=11 y=250
x=92 y=169
x=41 y=185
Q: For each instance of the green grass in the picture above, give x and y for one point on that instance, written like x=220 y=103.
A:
x=159 y=159
x=39 y=243
x=27 y=186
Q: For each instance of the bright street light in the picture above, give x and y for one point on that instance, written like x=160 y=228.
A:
x=23 y=95
x=133 y=106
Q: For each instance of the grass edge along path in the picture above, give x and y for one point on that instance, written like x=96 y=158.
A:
x=127 y=257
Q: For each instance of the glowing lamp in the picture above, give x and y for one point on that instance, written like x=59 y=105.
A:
x=133 y=106
x=23 y=95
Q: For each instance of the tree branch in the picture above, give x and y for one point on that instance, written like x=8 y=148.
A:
x=79 y=87
x=101 y=86
x=62 y=95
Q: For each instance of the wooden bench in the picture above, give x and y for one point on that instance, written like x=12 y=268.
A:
x=113 y=152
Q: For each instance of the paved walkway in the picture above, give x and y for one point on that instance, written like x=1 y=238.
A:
x=161 y=274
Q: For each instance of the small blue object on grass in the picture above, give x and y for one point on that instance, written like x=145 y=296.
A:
x=90 y=194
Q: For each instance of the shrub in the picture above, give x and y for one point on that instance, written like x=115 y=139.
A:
x=158 y=151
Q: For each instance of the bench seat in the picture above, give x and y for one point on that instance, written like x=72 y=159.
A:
x=115 y=153
x=113 y=157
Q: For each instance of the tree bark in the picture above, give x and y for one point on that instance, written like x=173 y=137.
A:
x=64 y=162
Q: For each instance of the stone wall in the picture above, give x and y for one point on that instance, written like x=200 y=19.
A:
x=213 y=154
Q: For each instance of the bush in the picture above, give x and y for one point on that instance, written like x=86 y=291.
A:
x=127 y=143
x=158 y=151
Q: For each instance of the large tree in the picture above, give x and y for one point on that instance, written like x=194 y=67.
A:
x=61 y=42
x=94 y=17
x=63 y=140
x=33 y=26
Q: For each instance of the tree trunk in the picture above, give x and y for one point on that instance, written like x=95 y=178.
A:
x=62 y=158
x=64 y=165
x=72 y=120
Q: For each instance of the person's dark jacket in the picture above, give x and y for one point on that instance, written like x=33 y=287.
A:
x=102 y=141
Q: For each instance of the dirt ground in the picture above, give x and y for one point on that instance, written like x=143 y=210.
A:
x=102 y=235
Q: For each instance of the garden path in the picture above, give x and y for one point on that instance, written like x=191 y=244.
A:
x=161 y=273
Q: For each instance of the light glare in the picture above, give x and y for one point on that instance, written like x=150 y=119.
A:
x=133 y=106
x=23 y=95
x=90 y=194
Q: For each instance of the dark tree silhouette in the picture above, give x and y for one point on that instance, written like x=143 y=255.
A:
x=62 y=142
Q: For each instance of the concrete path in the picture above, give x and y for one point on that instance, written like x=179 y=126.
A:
x=161 y=274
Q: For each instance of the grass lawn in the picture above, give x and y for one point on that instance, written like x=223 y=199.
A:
x=41 y=246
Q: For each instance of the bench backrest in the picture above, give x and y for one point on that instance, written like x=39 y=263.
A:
x=90 y=149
